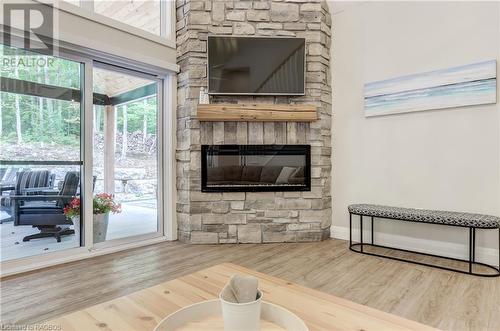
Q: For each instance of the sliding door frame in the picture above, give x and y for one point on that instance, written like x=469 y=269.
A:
x=169 y=140
x=31 y=262
x=166 y=131
x=159 y=156
x=87 y=143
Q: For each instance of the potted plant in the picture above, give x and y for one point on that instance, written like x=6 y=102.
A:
x=103 y=204
x=72 y=212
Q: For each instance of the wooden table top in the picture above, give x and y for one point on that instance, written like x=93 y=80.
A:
x=144 y=309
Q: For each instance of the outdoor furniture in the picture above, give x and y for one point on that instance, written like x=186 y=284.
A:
x=9 y=176
x=6 y=187
x=2 y=173
x=124 y=182
x=45 y=212
x=449 y=218
x=28 y=182
x=8 y=179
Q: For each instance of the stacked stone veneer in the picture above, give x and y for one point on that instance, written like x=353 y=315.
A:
x=252 y=217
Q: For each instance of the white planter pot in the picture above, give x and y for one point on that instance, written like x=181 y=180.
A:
x=241 y=316
x=76 y=226
x=100 y=227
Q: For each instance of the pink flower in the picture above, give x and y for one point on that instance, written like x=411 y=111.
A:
x=102 y=203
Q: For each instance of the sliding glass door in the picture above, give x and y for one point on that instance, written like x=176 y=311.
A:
x=41 y=155
x=126 y=149
x=74 y=133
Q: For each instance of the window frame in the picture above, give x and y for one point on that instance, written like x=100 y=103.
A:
x=159 y=157
x=85 y=240
x=86 y=10
x=167 y=230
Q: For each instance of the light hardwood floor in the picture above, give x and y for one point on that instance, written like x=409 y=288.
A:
x=144 y=309
x=434 y=297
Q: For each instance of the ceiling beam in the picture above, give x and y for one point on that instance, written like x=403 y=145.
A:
x=18 y=86
x=135 y=94
x=11 y=85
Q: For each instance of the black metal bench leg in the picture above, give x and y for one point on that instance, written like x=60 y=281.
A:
x=350 y=230
x=470 y=250
x=372 y=232
x=473 y=244
x=361 y=231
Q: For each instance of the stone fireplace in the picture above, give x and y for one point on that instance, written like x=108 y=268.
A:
x=252 y=217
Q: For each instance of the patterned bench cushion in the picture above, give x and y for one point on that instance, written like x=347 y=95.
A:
x=427 y=216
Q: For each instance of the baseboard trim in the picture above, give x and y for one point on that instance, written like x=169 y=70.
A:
x=454 y=250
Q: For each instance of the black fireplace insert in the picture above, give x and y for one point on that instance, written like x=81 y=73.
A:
x=255 y=168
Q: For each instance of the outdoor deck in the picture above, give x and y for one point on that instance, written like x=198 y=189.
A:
x=136 y=218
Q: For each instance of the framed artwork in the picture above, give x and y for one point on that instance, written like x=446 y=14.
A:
x=472 y=84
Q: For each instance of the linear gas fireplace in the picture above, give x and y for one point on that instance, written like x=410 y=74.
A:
x=245 y=168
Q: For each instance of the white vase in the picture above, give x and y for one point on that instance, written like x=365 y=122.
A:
x=76 y=226
x=241 y=316
x=100 y=227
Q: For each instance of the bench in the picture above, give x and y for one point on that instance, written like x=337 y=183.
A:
x=448 y=218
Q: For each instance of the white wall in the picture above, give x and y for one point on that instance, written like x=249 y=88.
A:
x=440 y=159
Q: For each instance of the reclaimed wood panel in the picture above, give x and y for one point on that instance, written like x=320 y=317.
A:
x=230 y=131
x=269 y=135
x=241 y=133
x=218 y=132
x=256 y=133
x=280 y=132
x=257 y=112
x=206 y=133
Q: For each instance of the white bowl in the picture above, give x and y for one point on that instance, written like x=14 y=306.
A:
x=211 y=310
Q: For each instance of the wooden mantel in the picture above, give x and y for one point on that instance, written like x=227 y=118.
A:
x=256 y=112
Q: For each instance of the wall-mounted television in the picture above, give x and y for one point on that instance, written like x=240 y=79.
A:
x=256 y=65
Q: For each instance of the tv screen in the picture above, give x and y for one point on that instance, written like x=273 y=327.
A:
x=256 y=65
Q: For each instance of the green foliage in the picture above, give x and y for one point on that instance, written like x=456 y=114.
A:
x=57 y=121
x=135 y=115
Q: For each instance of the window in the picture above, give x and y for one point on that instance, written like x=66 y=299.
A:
x=144 y=15
x=126 y=150
x=151 y=16
x=51 y=122
x=40 y=152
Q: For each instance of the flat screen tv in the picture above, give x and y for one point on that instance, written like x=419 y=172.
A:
x=256 y=65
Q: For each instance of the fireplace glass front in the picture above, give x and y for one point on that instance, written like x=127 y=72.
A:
x=251 y=168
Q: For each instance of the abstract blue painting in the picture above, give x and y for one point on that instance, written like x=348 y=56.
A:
x=472 y=84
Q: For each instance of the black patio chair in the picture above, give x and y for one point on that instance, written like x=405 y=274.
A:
x=3 y=171
x=28 y=182
x=9 y=176
x=45 y=212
